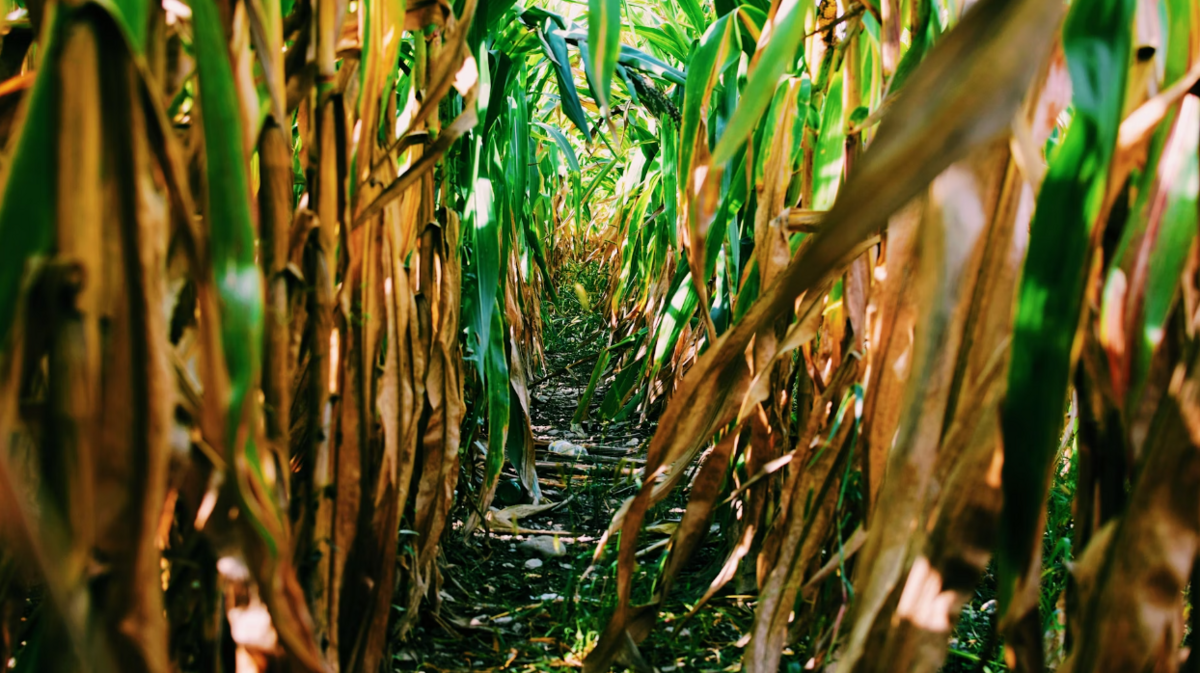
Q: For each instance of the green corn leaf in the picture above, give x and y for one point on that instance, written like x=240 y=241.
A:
x=803 y=104
x=639 y=59
x=517 y=168
x=670 y=172
x=1144 y=186
x=694 y=13
x=556 y=50
x=500 y=83
x=486 y=249
x=635 y=230
x=731 y=202
x=719 y=48
x=517 y=152
x=591 y=188
x=27 y=211
x=629 y=87
x=1179 y=39
x=1176 y=231
x=560 y=139
x=678 y=313
x=604 y=40
x=533 y=15
x=610 y=406
x=237 y=275
x=750 y=18
x=495 y=11
x=764 y=136
x=1096 y=39
x=664 y=42
x=589 y=75
x=1178 y=219
x=831 y=149
x=921 y=42
x=748 y=292
x=498 y=399
x=779 y=54
x=586 y=400
x=132 y=16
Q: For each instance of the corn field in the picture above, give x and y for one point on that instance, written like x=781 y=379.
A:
x=886 y=279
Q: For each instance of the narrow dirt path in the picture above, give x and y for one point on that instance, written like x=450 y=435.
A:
x=525 y=599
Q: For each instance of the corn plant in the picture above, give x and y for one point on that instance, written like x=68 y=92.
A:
x=274 y=274
x=887 y=262
x=235 y=438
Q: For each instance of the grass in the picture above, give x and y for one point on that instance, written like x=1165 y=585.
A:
x=570 y=327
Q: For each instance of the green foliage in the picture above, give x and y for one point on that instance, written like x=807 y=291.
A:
x=1096 y=39
x=238 y=278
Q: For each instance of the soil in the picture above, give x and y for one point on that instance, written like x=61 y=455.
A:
x=505 y=608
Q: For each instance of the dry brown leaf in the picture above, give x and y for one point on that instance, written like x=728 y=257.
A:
x=949 y=252
x=1133 y=617
x=964 y=94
